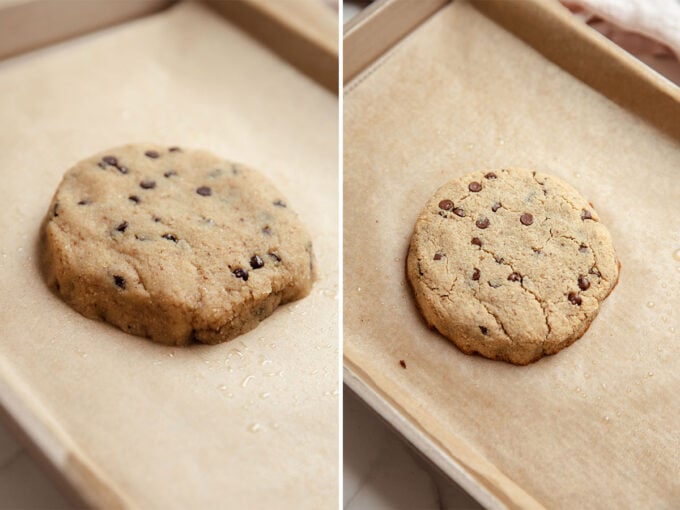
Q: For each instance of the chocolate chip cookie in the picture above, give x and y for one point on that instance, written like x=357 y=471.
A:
x=511 y=264
x=174 y=244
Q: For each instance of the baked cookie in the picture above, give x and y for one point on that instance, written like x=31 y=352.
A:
x=511 y=264
x=174 y=244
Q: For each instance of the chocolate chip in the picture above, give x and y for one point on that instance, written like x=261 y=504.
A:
x=169 y=237
x=119 y=281
x=156 y=219
x=483 y=330
x=151 y=154
x=267 y=231
x=496 y=206
x=113 y=161
x=122 y=226
x=148 y=184
x=490 y=175
x=175 y=149
x=515 y=277
x=474 y=186
x=169 y=173
x=204 y=191
x=526 y=219
x=583 y=248
x=438 y=256
x=256 y=262
x=476 y=241
x=279 y=203
x=84 y=201
x=583 y=283
x=55 y=210
x=475 y=274
x=274 y=256
x=574 y=299
x=402 y=364
x=586 y=215
x=446 y=204
x=459 y=212
x=241 y=273
x=482 y=223
x=134 y=198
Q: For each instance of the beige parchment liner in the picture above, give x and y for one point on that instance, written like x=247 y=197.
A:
x=595 y=426
x=251 y=423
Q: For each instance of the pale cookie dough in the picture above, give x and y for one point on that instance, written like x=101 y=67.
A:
x=174 y=244
x=510 y=264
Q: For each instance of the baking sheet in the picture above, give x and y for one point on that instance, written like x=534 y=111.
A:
x=595 y=426
x=251 y=423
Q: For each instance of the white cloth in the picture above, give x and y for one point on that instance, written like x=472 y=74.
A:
x=658 y=20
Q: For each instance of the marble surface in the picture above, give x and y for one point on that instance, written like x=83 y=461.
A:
x=24 y=484
x=382 y=471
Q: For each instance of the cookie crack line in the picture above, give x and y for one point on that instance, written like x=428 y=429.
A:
x=476 y=298
x=516 y=211
x=495 y=317
x=463 y=199
x=432 y=289
x=578 y=210
x=201 y=277
x=541 y=184
x=139 y=276
x=521 y=285
x=544 y=311
x=577 y=242
x=498 y=321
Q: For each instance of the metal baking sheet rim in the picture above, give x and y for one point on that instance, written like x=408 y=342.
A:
x=399 y=419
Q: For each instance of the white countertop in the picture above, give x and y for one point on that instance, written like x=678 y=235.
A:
x=23 y=482
x=382 y=471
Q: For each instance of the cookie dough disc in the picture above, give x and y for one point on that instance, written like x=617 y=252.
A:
x=174 y=244
x=511 y=264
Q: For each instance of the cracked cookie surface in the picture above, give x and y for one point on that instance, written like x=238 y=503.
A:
x=173 y=244
x=511 y=264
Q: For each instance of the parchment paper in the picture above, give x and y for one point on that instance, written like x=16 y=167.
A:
x=251 y=423
x=595 y=426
